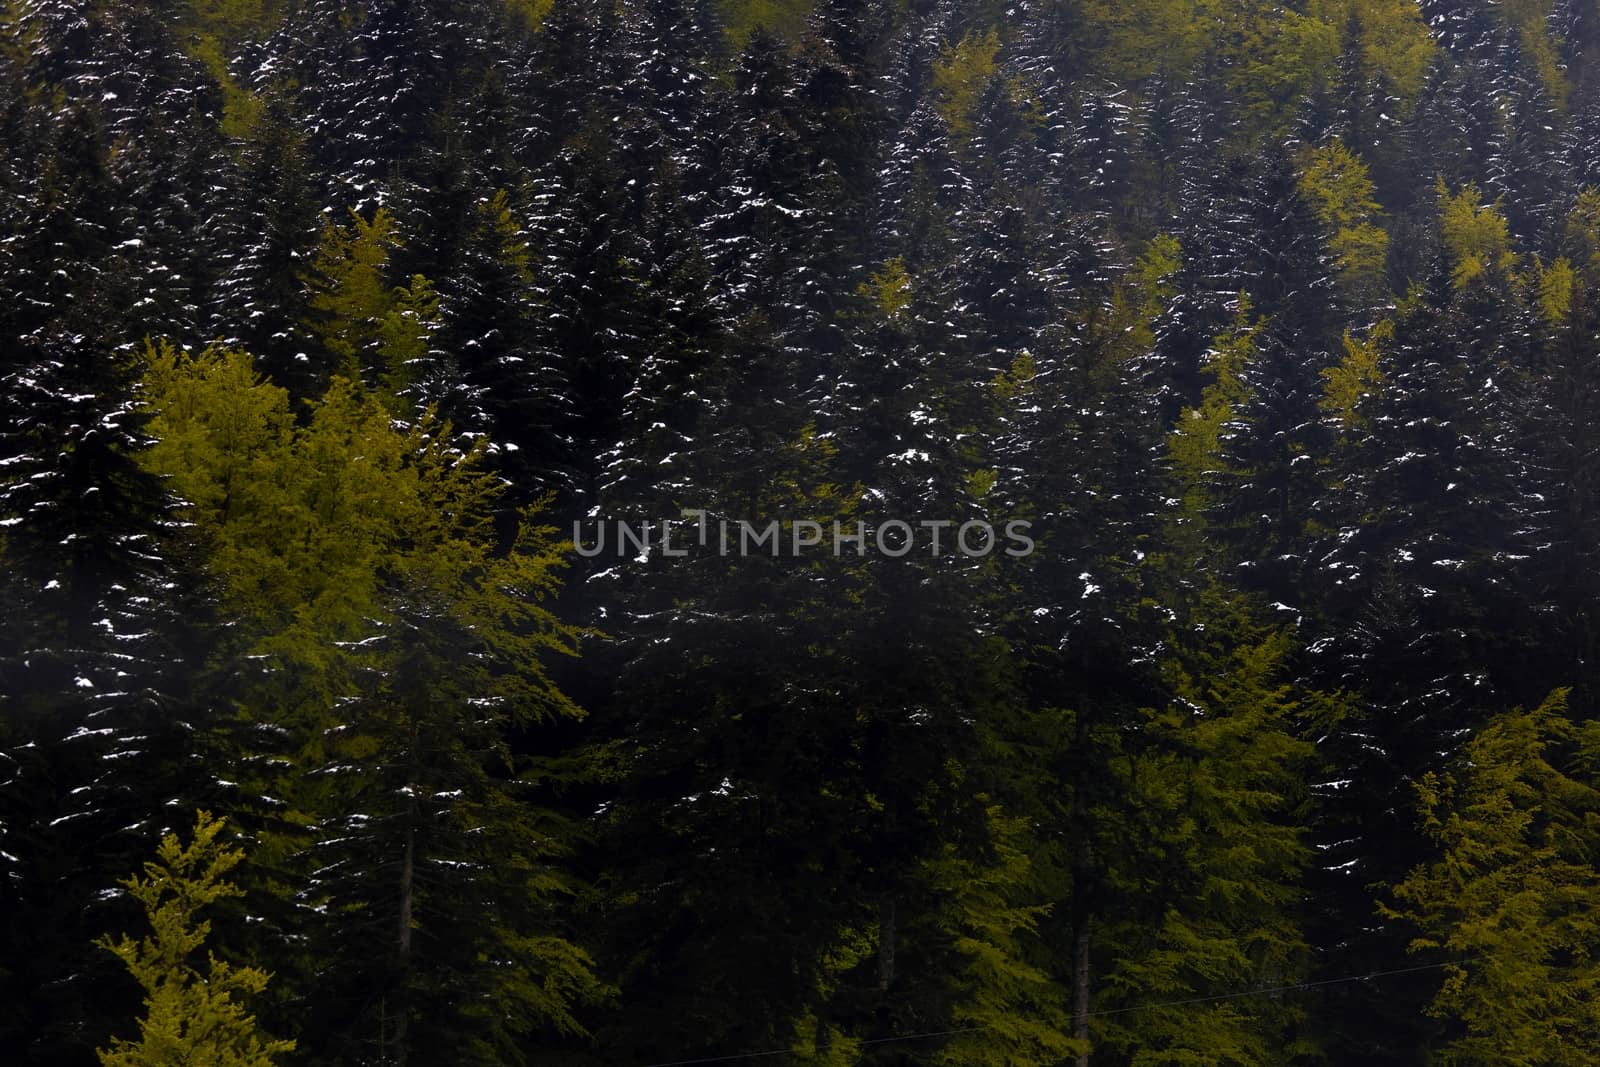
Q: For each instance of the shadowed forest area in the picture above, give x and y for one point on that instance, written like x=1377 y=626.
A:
x=326 y=325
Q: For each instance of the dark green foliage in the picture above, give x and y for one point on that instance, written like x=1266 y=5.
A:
x=1276 y=323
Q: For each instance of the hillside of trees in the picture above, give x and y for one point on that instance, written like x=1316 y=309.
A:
x=331 y=329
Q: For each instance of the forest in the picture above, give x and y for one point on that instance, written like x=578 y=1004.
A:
x=1263 y=338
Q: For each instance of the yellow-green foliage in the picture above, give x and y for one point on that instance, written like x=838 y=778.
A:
x=1556 y=284
x=347 y=546
x=1475 y=234
x=1010 y=384
x=981 y=482
x=192 y=1015
x=1275 y=51
x=1133 y=39
x=232 y=22
x=1281 y=55
x=1546 y=57
x=821 y=1044
x=300 y=520
x=961 y=76
x=311 y=524
x=1161 y=261
x=889 y=289
x=1583 y=232
x=1216 y=785
x=818 y=1043
x=1531 y=18
x=241 y=109
x=989 y=917
x=1355 y=376
x=506 y=236
x=403 y=334
x=314 y=527
x=215 y=30
x=805 y=485
x=1514 y=895
x=1335 y=180
x=350 y=296
x=783 y=18
x=1394 y=38
x=20 y=31
x=1194 y=449
x=528 y=16
x=1129 y=328
x=1361 y=253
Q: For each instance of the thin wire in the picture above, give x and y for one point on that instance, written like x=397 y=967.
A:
x=920 y=1037
x=725 y=1059
x=1097 y=1014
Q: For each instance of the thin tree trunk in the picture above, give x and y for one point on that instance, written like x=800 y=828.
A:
x=886 y=935
x=407 y=880
x=1082 y=907
x=1080 y=986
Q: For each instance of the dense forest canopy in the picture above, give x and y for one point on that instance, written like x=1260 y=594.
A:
x=326 y=326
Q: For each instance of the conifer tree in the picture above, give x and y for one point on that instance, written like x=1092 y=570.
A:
x=391 y=648
x=1510 y=898
x=191 y=1015
x=1215 y=762
x=95 y=650
x=1277 y=322
x=1213 y=853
